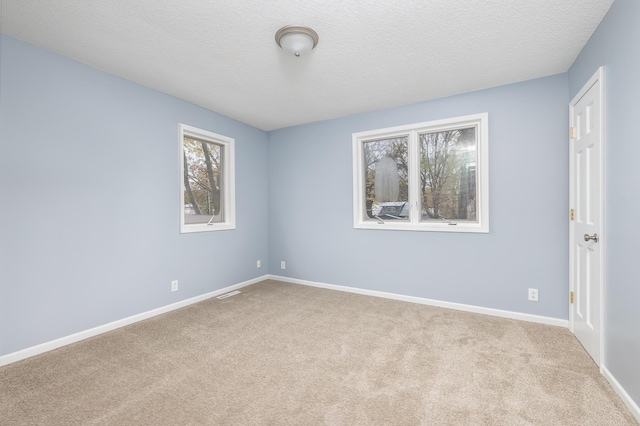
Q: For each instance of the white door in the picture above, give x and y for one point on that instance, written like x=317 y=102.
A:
x=586 y=193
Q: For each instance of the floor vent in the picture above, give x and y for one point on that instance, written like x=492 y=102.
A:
x=233 y=293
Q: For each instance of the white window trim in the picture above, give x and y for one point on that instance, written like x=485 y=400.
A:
x=481 y=121
x=228 y=178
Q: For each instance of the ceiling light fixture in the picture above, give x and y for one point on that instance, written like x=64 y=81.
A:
x=296 y=39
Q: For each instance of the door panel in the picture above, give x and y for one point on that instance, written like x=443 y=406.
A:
x=586 y=228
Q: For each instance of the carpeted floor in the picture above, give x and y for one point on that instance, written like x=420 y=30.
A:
x=283 y=354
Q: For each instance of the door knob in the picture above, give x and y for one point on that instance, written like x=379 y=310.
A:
x=593 y=237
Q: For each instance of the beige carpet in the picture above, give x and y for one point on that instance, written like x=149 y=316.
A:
x=283 y=354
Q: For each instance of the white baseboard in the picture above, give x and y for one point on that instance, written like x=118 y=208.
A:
x=626 y=398
x=63 y=341
x=431 y=302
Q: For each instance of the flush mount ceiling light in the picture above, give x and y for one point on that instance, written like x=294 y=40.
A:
x=296 y=39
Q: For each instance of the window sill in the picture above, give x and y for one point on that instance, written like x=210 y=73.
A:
x=424 y=227
x=189 y=229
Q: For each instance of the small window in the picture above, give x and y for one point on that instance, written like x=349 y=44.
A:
x=429 y=176
x=207 y=196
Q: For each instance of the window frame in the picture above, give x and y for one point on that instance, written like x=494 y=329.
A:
x=228 y=180
x=412 y=132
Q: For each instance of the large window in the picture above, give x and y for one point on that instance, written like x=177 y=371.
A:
x=207 y=193
x=429 y=176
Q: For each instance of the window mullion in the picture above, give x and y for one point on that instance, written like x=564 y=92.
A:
x=414 y=178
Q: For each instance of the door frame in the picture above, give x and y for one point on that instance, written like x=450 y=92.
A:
x=598 y=76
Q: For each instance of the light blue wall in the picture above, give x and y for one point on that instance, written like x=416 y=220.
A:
x=310 y=207
x=616 y=45
x=89 y=183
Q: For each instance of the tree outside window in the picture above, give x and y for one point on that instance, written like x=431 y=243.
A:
x=448 y=175
x=202 y=180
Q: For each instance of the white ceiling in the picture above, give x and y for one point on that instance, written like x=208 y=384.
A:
x=372 y=54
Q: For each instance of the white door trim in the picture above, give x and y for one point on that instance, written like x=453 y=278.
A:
x=598 y=76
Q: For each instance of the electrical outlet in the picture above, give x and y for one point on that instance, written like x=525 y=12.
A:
x=174 y=285
x=283 y=265
x=533 y=294
x=258 y=264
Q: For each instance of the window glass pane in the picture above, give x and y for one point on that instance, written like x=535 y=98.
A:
x=448 y=161
x=386 y=179
x=202 y=181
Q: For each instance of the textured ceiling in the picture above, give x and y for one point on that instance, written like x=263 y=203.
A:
x=371 y=55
